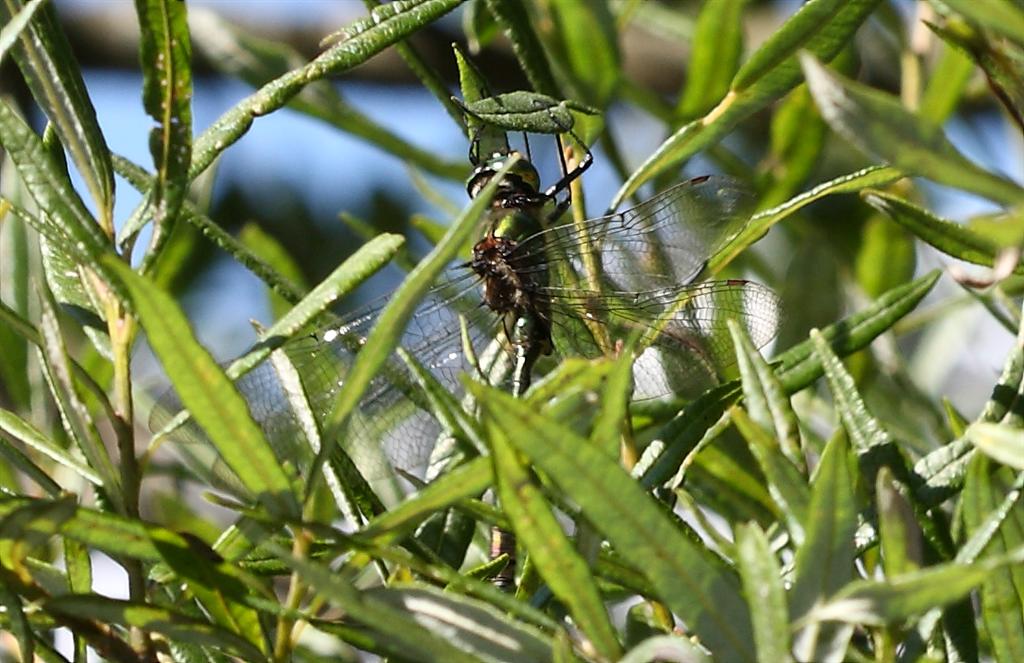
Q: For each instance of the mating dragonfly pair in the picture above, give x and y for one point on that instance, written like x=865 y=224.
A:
x=534 y=291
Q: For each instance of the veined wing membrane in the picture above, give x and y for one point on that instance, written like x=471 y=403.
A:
x=661 y=242
x=685 y=340
x=392 y=427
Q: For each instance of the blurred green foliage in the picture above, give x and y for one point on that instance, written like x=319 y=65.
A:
x=854 y=498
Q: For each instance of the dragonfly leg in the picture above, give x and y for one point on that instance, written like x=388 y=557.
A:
x=570 y=175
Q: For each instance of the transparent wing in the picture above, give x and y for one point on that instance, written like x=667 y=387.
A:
x=392 y=426
x=645 y=260
x=684 y=332
x=663 y=242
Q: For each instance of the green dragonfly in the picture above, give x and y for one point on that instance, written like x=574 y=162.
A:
x=535 y=290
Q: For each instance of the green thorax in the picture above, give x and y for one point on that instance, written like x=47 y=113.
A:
x=513 y=223
x=517 y=206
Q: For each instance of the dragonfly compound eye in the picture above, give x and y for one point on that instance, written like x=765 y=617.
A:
x=479 y=179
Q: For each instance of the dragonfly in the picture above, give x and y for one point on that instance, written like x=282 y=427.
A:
x=535 y=290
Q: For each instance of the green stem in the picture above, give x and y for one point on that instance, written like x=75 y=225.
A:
x=296 y=590
x=121 y=328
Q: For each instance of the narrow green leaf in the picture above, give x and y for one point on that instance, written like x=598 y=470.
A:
x=951 y=238
x=1004 y=229
x=258 y=62
x=824 y=563
x=762 y=585
x=449 y=534
x=536 y=528
x=51 y=71
x=18 y=460
x=361 y=265
x=151 y=619
x=881 y=127
x=683 y=433
x=463 y=583
x=104 y=531
x=78 y=564
x=387 y=29
x=898 y=533
x=642 y=623
x=786 y=484
x=778 y=53
x=72 y=287
x=761 y=222
x=33 y=521
x=666 y=648
x=988 y=528
x=74 y=415
x=941 y=472
x=165 y=51
x=476 y=628
x=515 y=19
x=526 y=111
x=821 y=27
x=216 y=584
x=884 y=243
x=358 y=267
x=489 y=139
x=27 y=434
x=886 y=602
x=17 y=623
x=112 y=534
x=764 y=397
x=449 y=412
x=68 y=221
x=14 y=290
x=717 y=45
x=479 y=26
x=208 y=393
x=1010 y=383
x=585 y=48
x=464 y=481
x=872 y=443
x=659 y=19
x=1001 y=442
x=945 y=86
x=608 y=426
x=396 y=625
x=1000 y=60
x=728 y=482
x=956 y=421
x=997 y=15
x=687 y=580
x=51 y=579
x=1002 y=594
x=573 y=377
x=15 y=24
x=472 y=83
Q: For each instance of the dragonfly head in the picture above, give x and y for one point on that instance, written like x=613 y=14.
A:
x=521 y=178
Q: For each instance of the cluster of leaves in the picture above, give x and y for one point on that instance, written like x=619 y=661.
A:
x=865 y=543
